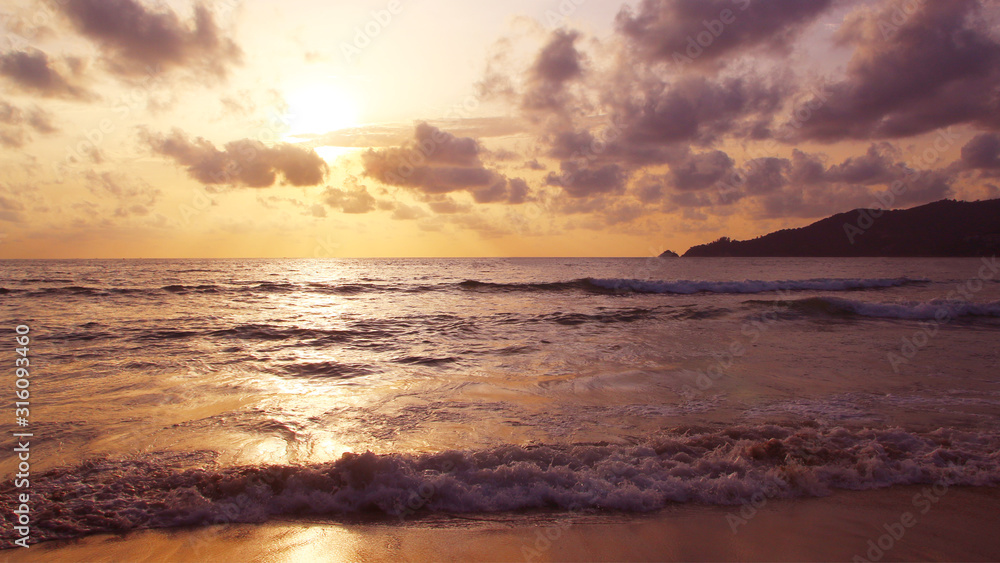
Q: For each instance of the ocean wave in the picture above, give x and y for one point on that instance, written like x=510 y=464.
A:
x=940 y=309
x=587 y=285
x=78 y=290
x=326 y=370
x=580 y=284
x=602 y=317
x=202 y=288
x=724 y=466
x=749 y=286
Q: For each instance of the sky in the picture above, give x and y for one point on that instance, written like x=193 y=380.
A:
x=397 y=128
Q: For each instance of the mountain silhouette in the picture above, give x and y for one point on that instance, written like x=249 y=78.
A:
x=942 y=228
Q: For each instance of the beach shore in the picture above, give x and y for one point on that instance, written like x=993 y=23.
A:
x=899 y=524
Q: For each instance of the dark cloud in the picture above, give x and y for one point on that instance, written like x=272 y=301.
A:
x=766 y=175
x=33 y=72
x=557 y=63
x=698 y=31
x=877 y=166
x=800 y=186
x=582 y=181
x=700 y=171
x=513 y=191
x=983 y=151
x=914 y=188
x=655 y=122
x=517 y=191
x=437 y=162
x=699 y=110
x=609 y=110
x=806 y=169
x=137 y=40
x=245 y=162
x=649 y=189
x=938 y=66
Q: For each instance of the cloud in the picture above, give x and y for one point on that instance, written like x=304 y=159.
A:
x=557 y=64
x=513 y=191
x=699 y=110
x=699 y=171
x=245 y=162
x=392 y=135
x=136 y=40
x=800 y=186
x=33 y=72
x=874 y=167
x=405 y=212
x=699 y=31
x=437 y=162
x=654 y=122
x=11 y=210
x=354 y=200
x=765 y=175
x=133 y=196
x=444 y=205
x=584 y=181
x=983 y=151
x=939 y=66
x=15 y=124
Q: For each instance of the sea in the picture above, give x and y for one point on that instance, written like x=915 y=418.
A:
x=169 y=393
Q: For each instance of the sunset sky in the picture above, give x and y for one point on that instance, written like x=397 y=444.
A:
x=253 y=128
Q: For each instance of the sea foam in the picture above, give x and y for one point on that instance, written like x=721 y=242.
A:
x=714 y=466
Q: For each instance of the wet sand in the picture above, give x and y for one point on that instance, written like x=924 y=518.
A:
x=959 y=524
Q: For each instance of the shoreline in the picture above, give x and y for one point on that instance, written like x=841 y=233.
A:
x=957 y=523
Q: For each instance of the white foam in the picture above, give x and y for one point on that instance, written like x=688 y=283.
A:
x=749 y=286
x=722 y=466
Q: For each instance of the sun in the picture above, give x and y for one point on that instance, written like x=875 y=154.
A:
x=320 y=106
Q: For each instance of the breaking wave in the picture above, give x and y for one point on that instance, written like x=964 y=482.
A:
x=589 y=285
x=750 y=286
x=715 y=466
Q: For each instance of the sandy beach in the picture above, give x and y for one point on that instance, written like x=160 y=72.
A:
x=959 y=525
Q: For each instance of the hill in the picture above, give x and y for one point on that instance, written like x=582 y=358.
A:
x=942 y=228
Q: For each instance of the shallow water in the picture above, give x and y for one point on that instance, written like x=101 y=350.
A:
x=496 y=384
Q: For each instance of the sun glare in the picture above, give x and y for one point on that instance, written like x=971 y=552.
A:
x=320 y=107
